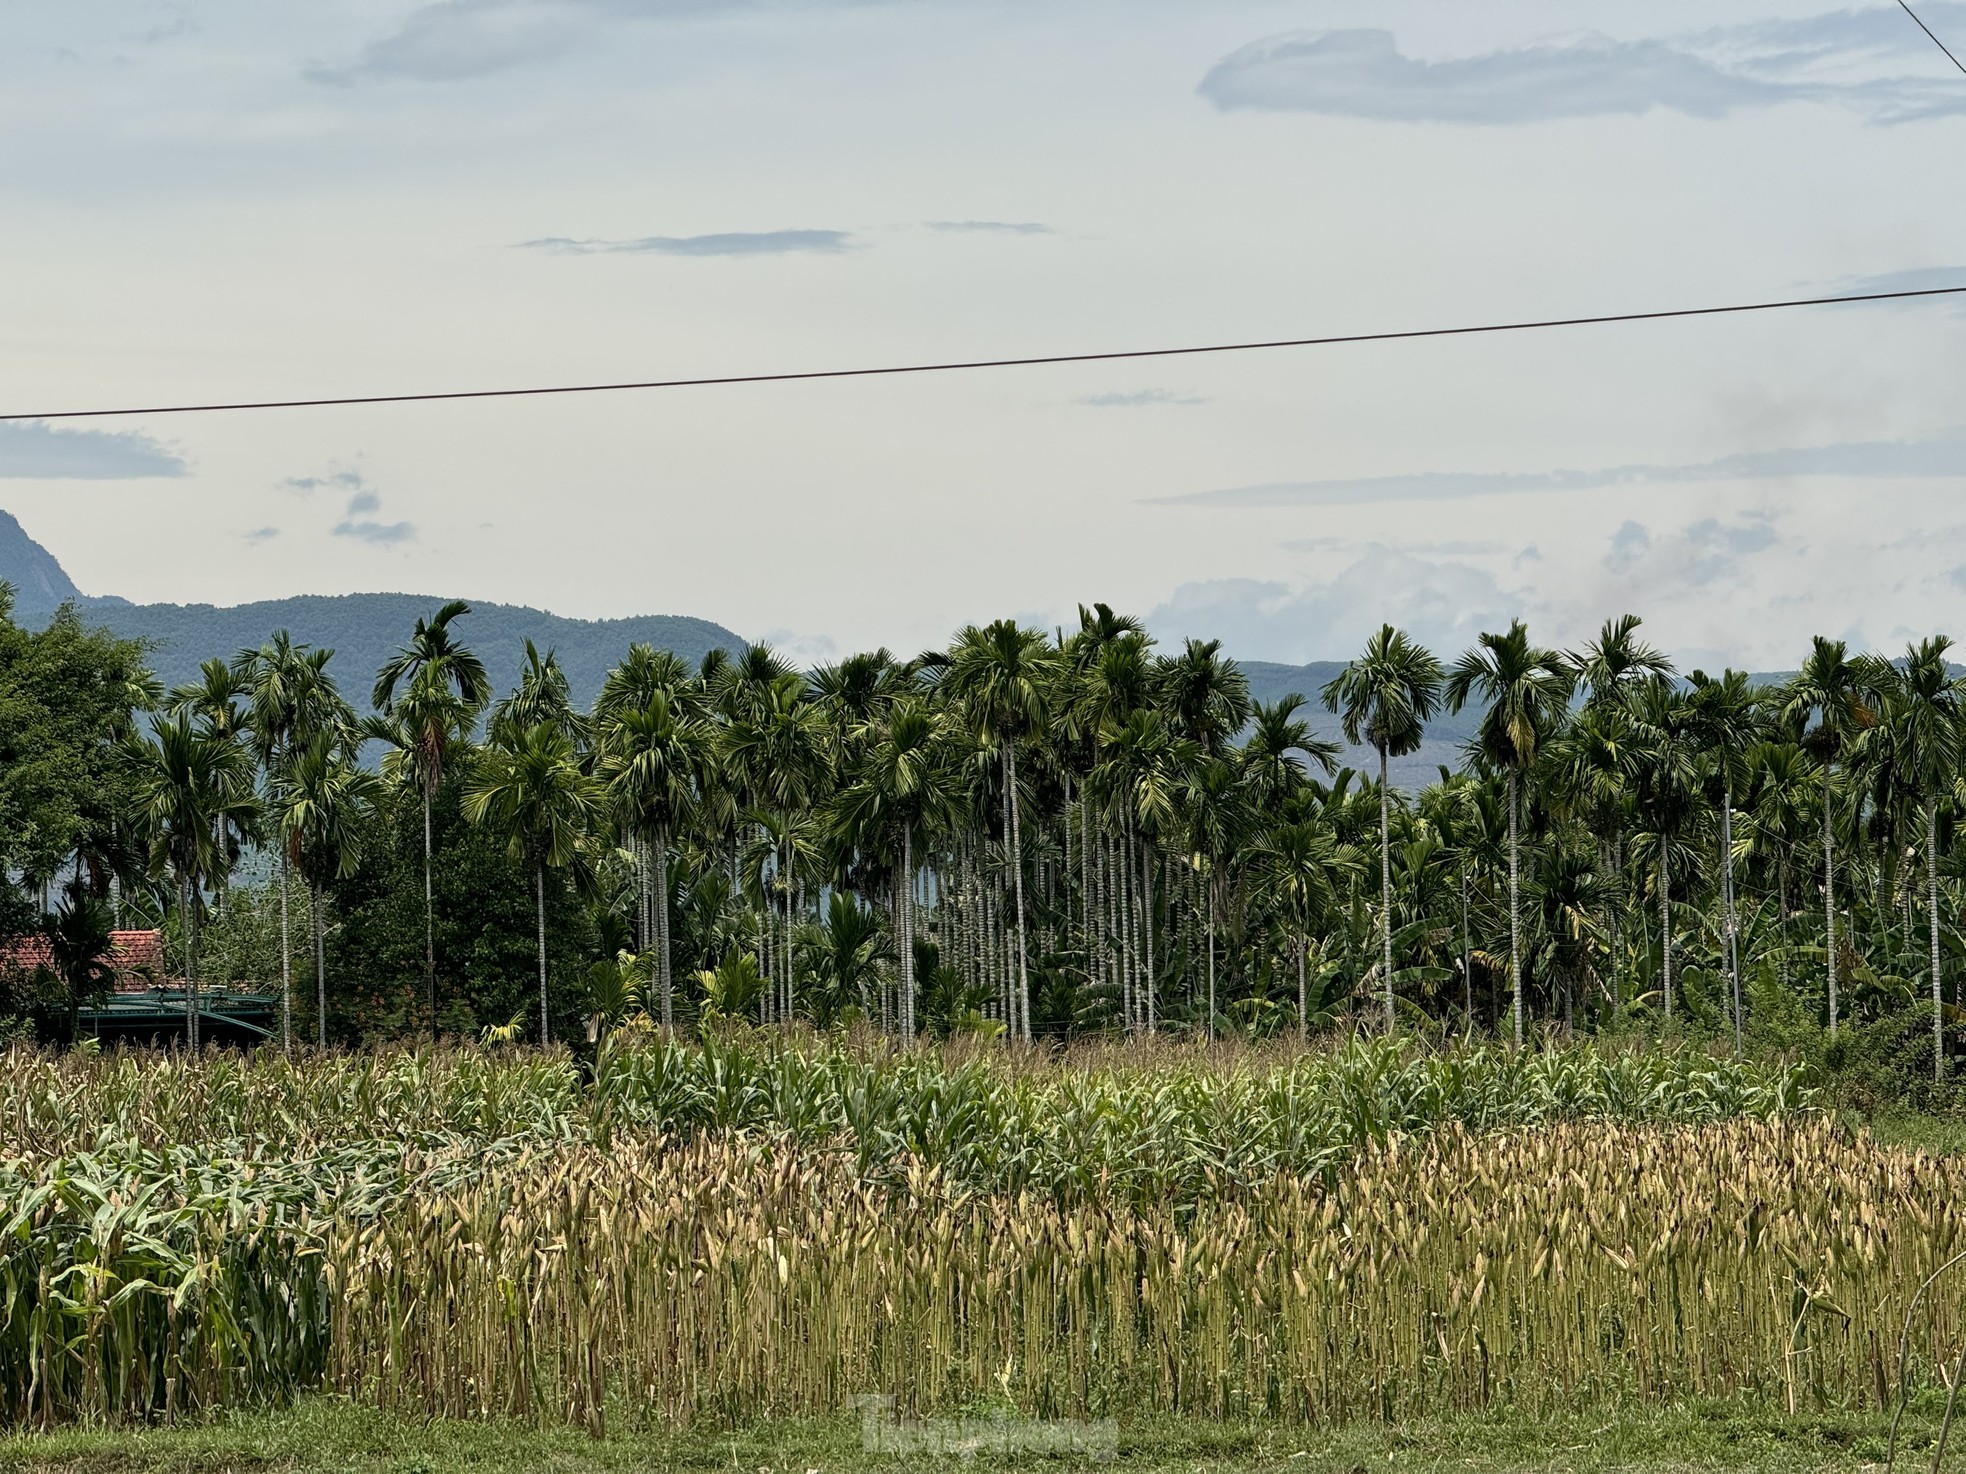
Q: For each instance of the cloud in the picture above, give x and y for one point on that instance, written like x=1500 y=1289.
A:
x=1884 y=459
x=990 y=227
x=1854 y=60
x=1139 y=397
x=728 y=243
x=1915 y=279
x=33 y=451
x=1697 y=556
x=461 y=40
x=357 y=524
x=332 y=481
x=262 y=534
x=1443 y=603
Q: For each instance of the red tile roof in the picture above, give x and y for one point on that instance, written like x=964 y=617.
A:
x=137 y=957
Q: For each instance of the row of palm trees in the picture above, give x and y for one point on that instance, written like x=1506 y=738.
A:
x=1035 y=832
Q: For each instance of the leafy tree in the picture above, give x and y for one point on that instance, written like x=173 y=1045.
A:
x=1526 y=692
x=1002 y=673
x=1826 y=698
x=1384 y=700
x=529 y=787
x=324 y=804
x=1919 y=703
x=192 y=788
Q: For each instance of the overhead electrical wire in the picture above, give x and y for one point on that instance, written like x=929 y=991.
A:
x=964 y=365
x=1935 y=40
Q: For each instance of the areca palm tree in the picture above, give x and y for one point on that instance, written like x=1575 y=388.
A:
x=1921 y=710
x=1663 y=765
x=1205 y=696
x=323 y=806
x=191 y=787
x=652 y=762
x=1219 y=819
x=1293 y=867
x=446 y=688
x=1827 y=695
x=1525 y=690
x=1270 y=757
x=904 y=787
x=1002 y=673
x=1384 y=700
x=531 y=787
x=291 y=699
x=1723 y=712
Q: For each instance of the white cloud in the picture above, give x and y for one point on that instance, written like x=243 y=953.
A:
x=1364 y=74
x=725 y=243
x=1140 y=397
x=1444 y=603
x=1935 y=457
x=35 y=451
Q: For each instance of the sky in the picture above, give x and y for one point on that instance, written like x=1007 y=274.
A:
x=223 y=199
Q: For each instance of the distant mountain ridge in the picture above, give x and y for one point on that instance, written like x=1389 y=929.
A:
x=363 y=630
x=40 y=583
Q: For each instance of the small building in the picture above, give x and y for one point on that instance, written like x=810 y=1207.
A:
x=148 y=1006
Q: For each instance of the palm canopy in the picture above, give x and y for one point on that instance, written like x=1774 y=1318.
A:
x=1002 y=674
x=1276 y=733
x=1617 y=662
x=1205 y=694
x=322 y=806
x=434 y=647
x=530 y=787
x=1825 y=700
x=1525 y=692
x=193 y=789
x=1385 y=698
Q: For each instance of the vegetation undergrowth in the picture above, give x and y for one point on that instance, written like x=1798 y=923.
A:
x=764 y=1226
x=335 y=1434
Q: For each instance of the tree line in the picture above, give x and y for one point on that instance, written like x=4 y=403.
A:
x=1025 y=832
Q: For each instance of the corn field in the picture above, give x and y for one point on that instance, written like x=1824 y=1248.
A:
x=741 y=1229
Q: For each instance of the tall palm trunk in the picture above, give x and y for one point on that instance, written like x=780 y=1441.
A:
x=1515 y=917
x=659 y=880
x=1932 y=917
x=1665 y=927
x=1467 y=954
x=539 y=911
x=320 y=971
x=1211 y=962
x=1386 y=882
x=1017 y=876
x=1303 y=997
x=1731 y=917
x=1829 y=896
x=286 y=964
x=904 y=917
x=429 y=925
x=190 y=972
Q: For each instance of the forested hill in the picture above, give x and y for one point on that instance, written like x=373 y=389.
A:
x=364 y=630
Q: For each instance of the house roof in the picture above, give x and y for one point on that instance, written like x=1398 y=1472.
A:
x=136 y=956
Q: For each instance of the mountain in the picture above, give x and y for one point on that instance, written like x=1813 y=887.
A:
x=362 y=629
x=40 y=585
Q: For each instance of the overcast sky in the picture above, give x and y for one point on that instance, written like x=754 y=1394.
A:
x=231 y=199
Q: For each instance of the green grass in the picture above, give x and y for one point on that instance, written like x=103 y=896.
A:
x=326 y=1435
x=1943 y=1136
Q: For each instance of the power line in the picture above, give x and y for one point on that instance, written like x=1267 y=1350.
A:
x=1935 y=40
x=986 y=363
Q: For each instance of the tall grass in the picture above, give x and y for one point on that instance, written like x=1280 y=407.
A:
x=742 y=1228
